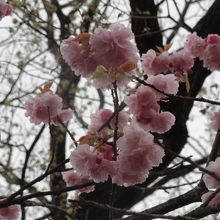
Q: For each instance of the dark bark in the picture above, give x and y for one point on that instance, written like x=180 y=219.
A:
x=144 y=24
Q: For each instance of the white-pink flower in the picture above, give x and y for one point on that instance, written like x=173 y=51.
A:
x=41 y=107
x=72 y=178
x=46 y=107
x=113 y=47
x=165 y=83
x=78 y=57
x=5 y=9
x=90 y=162
x=153 y=64
x=143 y=104
x=211 y=54
x=195 y=44
x=10 y=213
x=65 y=115
x=162 y=122
x=180 y=62
x=126 y=179
x=138 y=154
x=214 y=201
x=212 y=182
x=101 y=117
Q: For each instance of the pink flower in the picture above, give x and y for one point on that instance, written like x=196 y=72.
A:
x=5 y=9
x=211 y=54
x=113 y=46
x=65 y=115
x=89 y=162
x=72 y=178
x=165 y=83
x=180 y=62
x=41 y=107
x=97 y=120
x=143 y=98
x=195 y=44
x=214 y=201
x=101 y=117
x=10 y=213
x=153 y=64
x=215 y=121
x=126 y=179
x=162 y=122
x=46 y=106
x=211 y=182
x=78 y=57
x=137 y=155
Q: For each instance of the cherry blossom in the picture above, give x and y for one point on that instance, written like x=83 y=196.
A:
x=211 y=182
x=137 y=155
x=143 y=104
x=90 y=162
x=46 y=107
x=153 y=64
x=102 y=55
x=210 y=55
x=77 y=54
x=72 y=178
x=5 y=9
x=101 y=117
x=181 y=62
x=165 y=83
x=10 y=213
x=195 y=44
x=113 y=46
x=214 y=201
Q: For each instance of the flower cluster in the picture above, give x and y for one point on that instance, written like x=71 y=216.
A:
x=106 y=56
x=47 y=107
x=120 y=145
x=5 y=9
x=207 y=50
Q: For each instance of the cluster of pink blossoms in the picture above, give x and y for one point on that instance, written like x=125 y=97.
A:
x=47 y=107
x=107 y=56
x=211 y=182
x=207 y=50
x=136 y=155
x=5 y=9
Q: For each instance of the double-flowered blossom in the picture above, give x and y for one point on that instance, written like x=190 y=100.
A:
x=195 y=44
x=101 y=117
x=146 y=110
x=211 y=53
x=5 y=9
x=10 y=213
x=177 y=63
x=102 y=55
x=138 y=154
x=72 y=178
x=207 y=50
x=153 y=64
x=210 y=181
x=93 y=162
x=165 y=83
x=47 y=107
